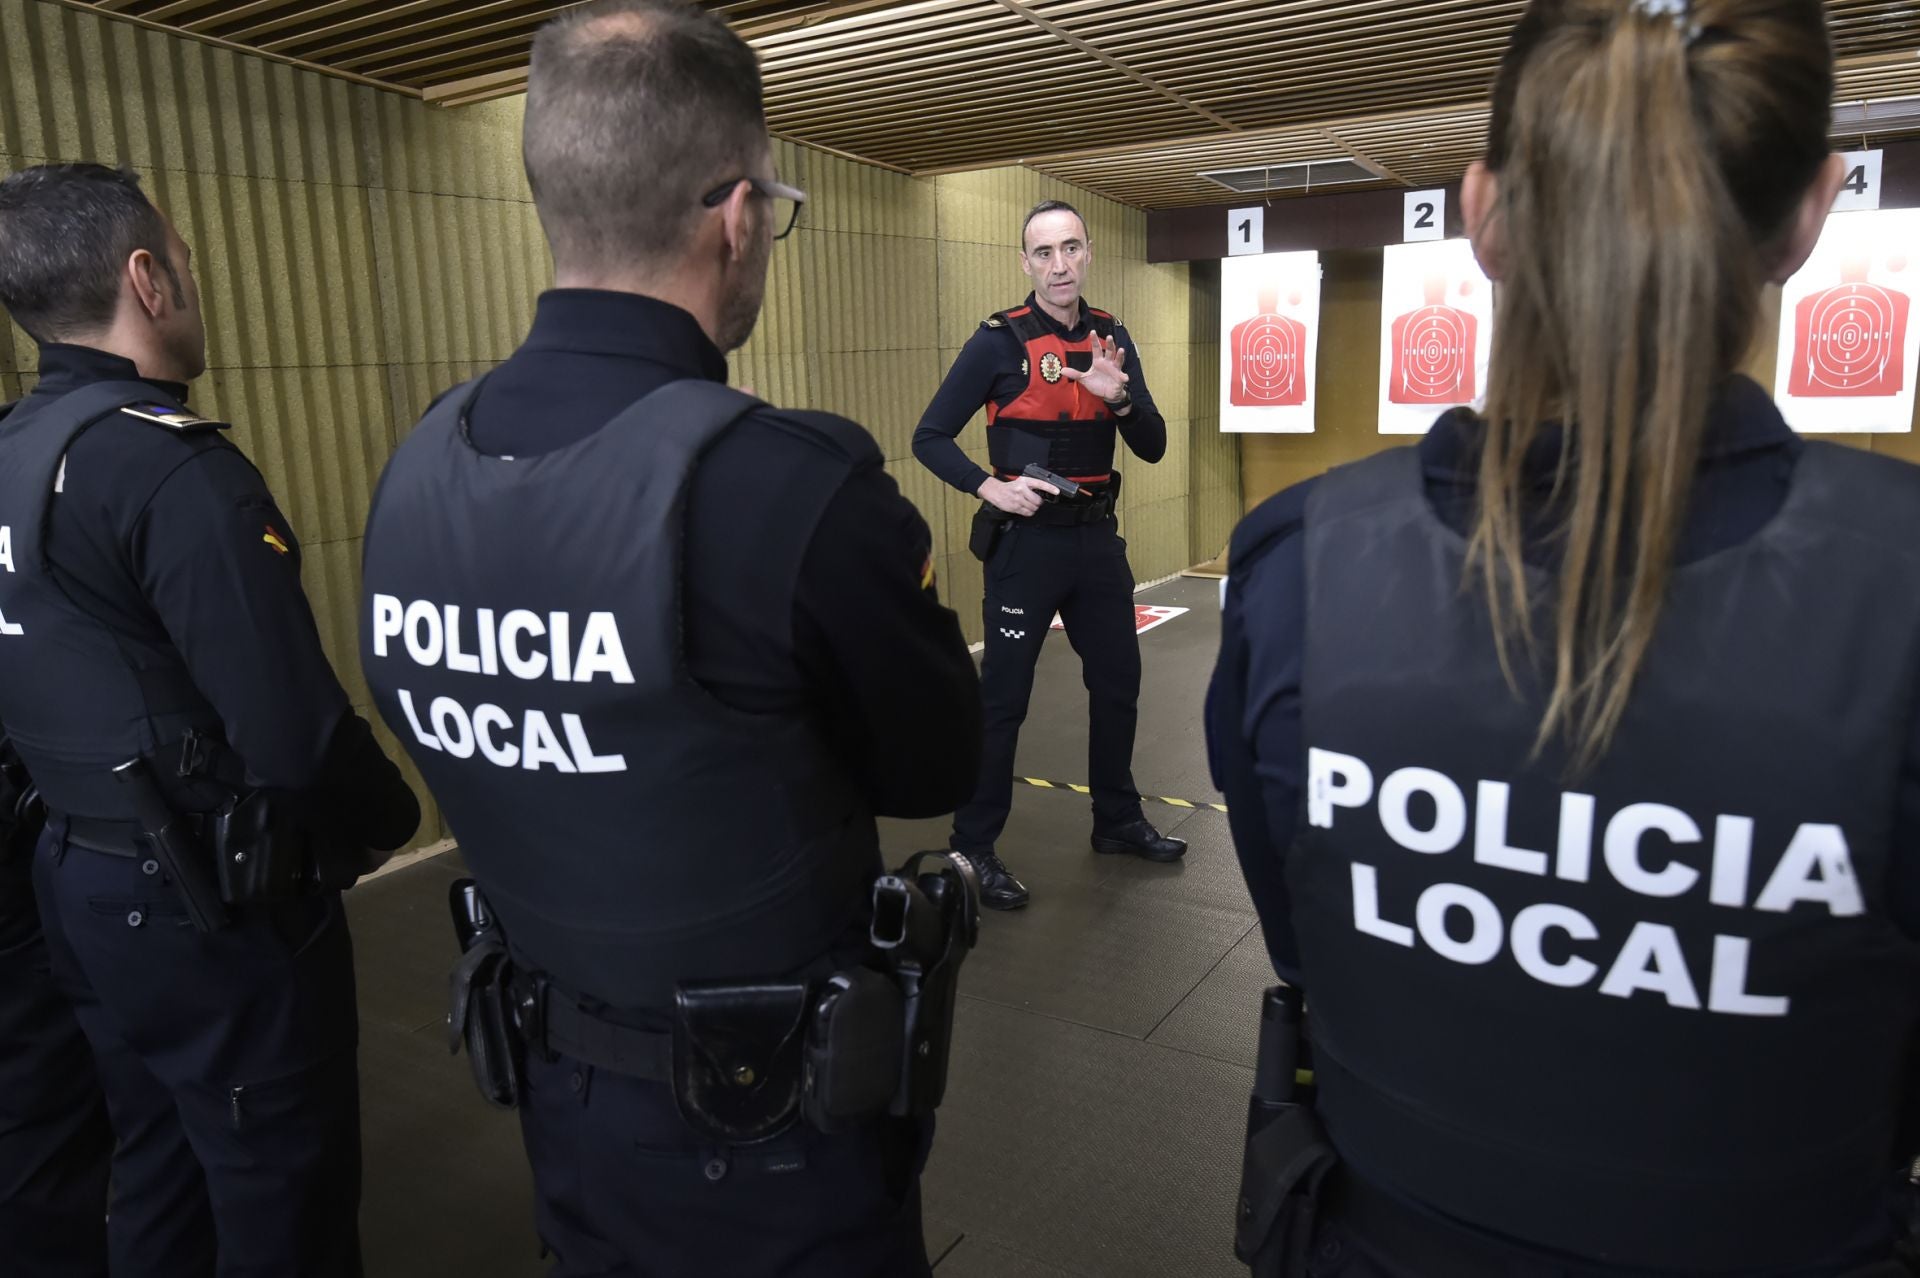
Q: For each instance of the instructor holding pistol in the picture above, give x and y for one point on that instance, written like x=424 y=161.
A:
x=1059 y=380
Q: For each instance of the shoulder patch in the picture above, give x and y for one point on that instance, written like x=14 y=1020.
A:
x=993 y=321
x=176 y=419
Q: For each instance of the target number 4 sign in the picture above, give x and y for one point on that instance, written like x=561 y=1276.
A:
x=1426 y=216
x=1861 y=190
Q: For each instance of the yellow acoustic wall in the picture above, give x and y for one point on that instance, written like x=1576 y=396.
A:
x=873 y=296
x=357 y=252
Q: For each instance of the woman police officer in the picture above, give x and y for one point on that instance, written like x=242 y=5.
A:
x=1573 y=757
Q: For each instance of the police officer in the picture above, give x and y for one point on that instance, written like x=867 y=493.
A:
x=1601 y=709
x=1059 y=381
x=153 y=612
x=662 y=652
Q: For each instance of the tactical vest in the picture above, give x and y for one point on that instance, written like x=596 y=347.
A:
x=1653 y=1013
x=522 y=634
x=81 y=693
x=1053 y=421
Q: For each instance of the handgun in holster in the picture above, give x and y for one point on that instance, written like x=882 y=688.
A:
x=1288 y=1155
x=269 y=847
x=879 y=1038
x=482 y=1010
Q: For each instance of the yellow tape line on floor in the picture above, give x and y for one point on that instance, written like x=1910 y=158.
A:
x=1039 y=784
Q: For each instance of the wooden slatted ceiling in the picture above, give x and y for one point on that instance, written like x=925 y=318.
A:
x=1130 y=98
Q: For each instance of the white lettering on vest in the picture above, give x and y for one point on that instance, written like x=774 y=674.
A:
x=521 y=622
x=451 y=725
x=387 y=620
x=1624 y=834
x=424 y=640
x=1817 y=867
x=1490 y=823
x=1732 y=861
x=6 y=546
x=458 y=661
x=1727 y=990
x=1651 y=960
x=601 y=651
x=485 y=720
x=1483 y=942
x=1530 y=928
x=413 y=720
x=540 y=747
x=1575 y=860
x=1335 y=781
x=583 y=756
x=1366 y=909
x=1450 y=811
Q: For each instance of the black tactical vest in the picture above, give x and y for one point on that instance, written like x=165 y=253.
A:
x=521 y=630
x=1653 y=1014
x=81 y=693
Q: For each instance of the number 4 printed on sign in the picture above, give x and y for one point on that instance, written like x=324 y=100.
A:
x=1861 y=190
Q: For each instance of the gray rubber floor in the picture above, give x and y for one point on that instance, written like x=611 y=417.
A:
x=1104 y=1045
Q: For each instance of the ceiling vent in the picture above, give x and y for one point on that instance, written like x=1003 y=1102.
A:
x=1890 y=115
x=1293 y=177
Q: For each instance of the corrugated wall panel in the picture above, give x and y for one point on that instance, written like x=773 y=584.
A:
x=359 y=253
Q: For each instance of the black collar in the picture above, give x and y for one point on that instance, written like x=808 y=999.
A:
x=1072 y=333
x=1744 y=419
x=66 y=368
x=597 y=322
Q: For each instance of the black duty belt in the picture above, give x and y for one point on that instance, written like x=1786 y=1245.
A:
x=1409 y=1236
x=570 y=1030
x=97 y=834
x=1069 y=514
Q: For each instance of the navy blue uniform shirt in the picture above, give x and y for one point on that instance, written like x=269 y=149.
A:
x=873 y=653
x=992 y=368
x=1253 y=706
x=156 y=531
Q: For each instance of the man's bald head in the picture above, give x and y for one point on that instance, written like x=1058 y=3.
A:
x=635 y=109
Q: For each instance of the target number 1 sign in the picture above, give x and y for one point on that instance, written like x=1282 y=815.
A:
x=1426 y=216
x=1861 y=190
x=1246 y=232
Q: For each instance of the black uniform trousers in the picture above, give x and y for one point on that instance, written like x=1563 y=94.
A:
x=1081 y=572
x=624 y=1189
x=228 y=1062
x=55 y=1144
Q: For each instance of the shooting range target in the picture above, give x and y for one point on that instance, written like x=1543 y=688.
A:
x=1269 y=339
x=1272 y=348
x=1435 y=360
x=1848 y=344
x=1852 y=342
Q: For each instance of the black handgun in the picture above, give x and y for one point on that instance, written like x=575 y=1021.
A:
x=173 y=846
x=1066 y=486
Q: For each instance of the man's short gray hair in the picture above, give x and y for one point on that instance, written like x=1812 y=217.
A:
x=635 y=109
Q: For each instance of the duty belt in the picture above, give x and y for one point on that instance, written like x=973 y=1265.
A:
x=562 y=1026
x=1088 y=510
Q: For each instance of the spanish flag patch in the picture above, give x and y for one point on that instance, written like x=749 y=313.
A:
x=274 y=539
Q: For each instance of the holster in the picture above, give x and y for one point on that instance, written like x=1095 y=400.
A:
x=267 y=849
x=854 y=1049
x=989 y=525
x=738 y=1058
x=1288 y=1158
x=926 y=922
x=481 y=1005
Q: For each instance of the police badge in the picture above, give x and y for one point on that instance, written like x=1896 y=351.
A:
x=1051 y=367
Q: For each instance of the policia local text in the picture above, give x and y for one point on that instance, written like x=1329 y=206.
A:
x=526 y=645
x=1816 y=867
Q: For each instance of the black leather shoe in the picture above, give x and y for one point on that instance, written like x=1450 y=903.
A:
x=1139 y=838
x=999 y=890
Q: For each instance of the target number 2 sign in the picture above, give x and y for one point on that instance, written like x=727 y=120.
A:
x=1426 y=216
x=1861 y=190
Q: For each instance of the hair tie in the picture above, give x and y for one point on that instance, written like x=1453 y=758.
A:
x=1679 y=12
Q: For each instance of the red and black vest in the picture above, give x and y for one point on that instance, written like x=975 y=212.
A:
x=1053 y=421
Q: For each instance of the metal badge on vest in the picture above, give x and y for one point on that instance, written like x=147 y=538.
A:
x=1053 y=422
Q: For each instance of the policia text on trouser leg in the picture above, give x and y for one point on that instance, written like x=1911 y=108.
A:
x=743 y=1087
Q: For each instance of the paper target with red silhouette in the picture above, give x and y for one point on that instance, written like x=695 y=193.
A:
x=1848 y=346
x=1269 y=340
x=1436 y=328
